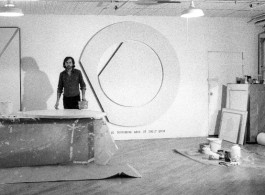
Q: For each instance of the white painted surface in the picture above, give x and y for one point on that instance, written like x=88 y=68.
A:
x=66 y=113
x=48 y=39
x=6 y=108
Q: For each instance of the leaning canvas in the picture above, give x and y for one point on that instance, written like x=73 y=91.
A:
x=233 y=125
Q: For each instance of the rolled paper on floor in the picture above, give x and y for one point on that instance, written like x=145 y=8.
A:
x=261 y=139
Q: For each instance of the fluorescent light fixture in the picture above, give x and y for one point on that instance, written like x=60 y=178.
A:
x=9 y=10
x=192 y=12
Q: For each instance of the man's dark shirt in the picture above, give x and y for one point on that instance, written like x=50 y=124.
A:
x=69 y=85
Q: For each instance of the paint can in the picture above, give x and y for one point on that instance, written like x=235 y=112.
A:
x=215 y=144
x=203 y=146
x=82 y=105
x=227 y=156
x=235 y=153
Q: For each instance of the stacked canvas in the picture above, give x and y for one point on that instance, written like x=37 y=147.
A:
x=234 y=116
x=233 y=125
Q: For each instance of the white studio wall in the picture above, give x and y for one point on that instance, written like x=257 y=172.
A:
x=51 y=38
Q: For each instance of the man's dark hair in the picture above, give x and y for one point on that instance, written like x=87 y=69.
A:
x=67 y=58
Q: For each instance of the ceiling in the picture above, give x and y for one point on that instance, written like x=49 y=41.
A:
x=211 y=8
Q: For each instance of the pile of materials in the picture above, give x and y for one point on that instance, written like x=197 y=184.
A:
x=219 y=152
x=213 y=151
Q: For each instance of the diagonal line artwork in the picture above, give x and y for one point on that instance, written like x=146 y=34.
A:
x=8 y=43
x=110 y=58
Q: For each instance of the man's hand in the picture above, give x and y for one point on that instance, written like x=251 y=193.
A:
x=56 y=105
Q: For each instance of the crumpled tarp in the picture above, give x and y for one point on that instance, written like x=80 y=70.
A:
x=65 y=173
x=105 y=146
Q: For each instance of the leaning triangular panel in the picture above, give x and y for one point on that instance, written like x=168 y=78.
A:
x=10 y=71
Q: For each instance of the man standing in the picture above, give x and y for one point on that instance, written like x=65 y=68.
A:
x=69 y=82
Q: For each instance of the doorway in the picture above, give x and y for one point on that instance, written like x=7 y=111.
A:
x=223 y=68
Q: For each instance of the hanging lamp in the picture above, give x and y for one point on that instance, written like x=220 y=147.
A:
x=9 y=10
x=192 y=12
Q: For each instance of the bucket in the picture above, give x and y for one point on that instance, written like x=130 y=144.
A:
x=83 y=105
x=215 y=144
x=6 y=108
x=235 y=153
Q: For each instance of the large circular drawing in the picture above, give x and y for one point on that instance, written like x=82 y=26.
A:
x=130 y=72
x=133 y=71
